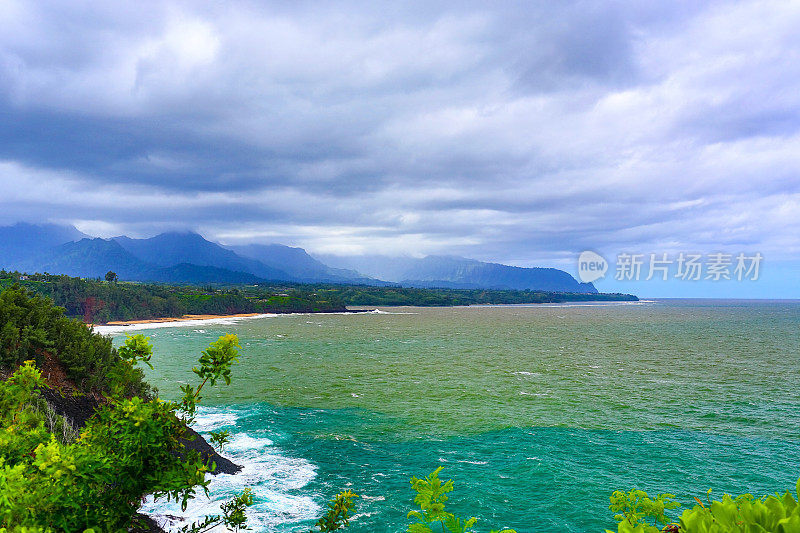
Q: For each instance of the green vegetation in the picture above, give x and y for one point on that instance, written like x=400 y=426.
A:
x=635 y=507
x=740 y=514
x=338 y=514
x=431 y=498
x=55 y=477
x=97 y=301
x=130 y=448
x=365 y=295
x=31 y=328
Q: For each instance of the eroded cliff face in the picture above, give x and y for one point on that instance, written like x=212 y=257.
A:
x=76 y=409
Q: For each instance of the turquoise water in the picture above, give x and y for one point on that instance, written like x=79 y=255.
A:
x=538 y=413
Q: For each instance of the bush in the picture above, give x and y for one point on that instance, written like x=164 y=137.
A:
x=740 y=514
x=129 y=449
x=431 y=498
x=31 y=328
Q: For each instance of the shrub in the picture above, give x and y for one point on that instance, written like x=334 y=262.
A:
x=740 y=514
x=431 y=497
x=635 y=507
x=127 y=450
x=31 y=328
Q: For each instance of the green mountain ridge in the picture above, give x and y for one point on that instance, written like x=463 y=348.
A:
x=187 y=257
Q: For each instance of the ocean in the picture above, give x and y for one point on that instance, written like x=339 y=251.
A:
x=538 y=413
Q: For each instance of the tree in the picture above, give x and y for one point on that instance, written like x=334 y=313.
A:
x=130 y=448
x=90 y=306
x=111 y=276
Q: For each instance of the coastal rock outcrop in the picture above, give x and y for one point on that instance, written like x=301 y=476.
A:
x=77 y=409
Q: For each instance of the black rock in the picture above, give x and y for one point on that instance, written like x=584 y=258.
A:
x=78 y=409
x=194 y=441
x=146 y=525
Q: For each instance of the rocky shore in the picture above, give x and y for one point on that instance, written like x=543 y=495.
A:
x=77 y=409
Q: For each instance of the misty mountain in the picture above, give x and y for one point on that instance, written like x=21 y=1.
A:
x=189 y=258
x=89 y=258
x=92 y=258
x=176 y=257
x=460 y=273
x=298 y=262
x=22 y=241
x=168 y=249
x=197 y=274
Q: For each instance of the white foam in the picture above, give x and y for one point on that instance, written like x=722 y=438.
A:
x=211 y=418
x=587 y=303
x=115 y=330
x=244 y=444
x=273 y=477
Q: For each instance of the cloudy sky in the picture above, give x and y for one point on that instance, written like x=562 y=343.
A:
x=516 y=132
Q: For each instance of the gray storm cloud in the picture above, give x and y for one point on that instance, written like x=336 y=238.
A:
x=513 y=132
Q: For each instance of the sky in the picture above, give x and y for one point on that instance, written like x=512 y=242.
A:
x=516 y=132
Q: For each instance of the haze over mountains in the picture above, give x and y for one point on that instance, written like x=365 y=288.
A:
x=458 y=273
x=185 y=257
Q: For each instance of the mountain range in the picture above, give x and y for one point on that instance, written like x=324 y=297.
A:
x=186 y=257
x=454 y=272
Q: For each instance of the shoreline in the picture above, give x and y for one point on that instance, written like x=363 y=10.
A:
x=116 y=327
x=189 y=318
x=119 y=326
x=184 y=318
x=115 y=324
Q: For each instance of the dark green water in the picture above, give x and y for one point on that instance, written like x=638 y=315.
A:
x=538 y=413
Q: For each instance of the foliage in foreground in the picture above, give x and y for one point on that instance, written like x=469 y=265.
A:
x=634 y=508
x=740 y=514
x=130 y=448
x=338 y=514
x=431 y=498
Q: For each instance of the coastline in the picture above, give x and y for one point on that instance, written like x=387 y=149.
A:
x=116 y=327
x=184 y=318
x=122 y=326
x=119 y=326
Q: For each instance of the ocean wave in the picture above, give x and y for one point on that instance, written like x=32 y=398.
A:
x=119 y=329
x=273 y=477
x=228 y=320
x=213 y=418
x=589 y=304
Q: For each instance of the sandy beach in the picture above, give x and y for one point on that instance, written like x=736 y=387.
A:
x=184 y=318
x=121 y=326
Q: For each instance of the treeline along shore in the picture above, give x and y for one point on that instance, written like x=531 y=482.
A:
x=99 y=302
